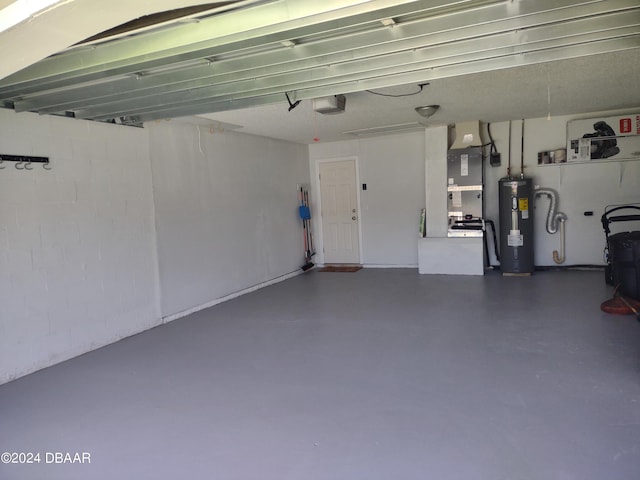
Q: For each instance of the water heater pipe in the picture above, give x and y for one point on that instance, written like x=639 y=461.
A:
x=560 y=258
x=509 y=163
x=522 y=151
x=553 y=218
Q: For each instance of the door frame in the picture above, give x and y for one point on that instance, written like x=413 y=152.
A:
x=317 y=223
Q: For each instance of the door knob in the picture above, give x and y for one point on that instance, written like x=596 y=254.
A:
x=353 y=218
x=353 y=211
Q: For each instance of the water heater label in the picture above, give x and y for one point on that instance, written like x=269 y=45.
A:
x=523 y=204
x=515 y=240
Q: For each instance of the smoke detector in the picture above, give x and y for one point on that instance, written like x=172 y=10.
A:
x=329 y=105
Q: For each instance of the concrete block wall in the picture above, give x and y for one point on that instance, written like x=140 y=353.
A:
x=226 y=210
x=78 y=265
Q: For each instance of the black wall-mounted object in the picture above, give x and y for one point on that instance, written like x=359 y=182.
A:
x=24 y=160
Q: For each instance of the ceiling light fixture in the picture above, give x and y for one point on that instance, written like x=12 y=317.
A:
x=427 y=110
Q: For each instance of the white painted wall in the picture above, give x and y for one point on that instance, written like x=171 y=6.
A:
x=77 y=244
x=435 y=157
x=226 y=211
x=581 y=187
x=392 y=166
x=78 y=255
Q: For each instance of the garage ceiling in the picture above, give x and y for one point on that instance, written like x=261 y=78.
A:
x=486 y=59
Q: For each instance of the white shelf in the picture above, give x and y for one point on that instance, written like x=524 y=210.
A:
x=604 y=160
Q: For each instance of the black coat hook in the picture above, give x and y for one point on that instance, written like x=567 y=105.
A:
x=23 y=162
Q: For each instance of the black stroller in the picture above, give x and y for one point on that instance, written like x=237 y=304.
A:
x=622 y=250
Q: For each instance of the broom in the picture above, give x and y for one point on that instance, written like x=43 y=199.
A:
x=305 y=215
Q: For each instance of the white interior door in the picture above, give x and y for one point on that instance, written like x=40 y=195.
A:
x=339 y=206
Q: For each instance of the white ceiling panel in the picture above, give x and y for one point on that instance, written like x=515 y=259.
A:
x=581 y=85
x=484 y=59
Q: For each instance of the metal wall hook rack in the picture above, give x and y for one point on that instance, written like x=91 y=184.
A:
x=24 y=162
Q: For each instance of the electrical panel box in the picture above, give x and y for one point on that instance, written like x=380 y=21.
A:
x=465 y=203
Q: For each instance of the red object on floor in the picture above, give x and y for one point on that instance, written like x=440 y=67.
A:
x=617 y=306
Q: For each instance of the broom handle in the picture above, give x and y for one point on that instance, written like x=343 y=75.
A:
x=304 y=231
x=635 y=312
x=309 y=243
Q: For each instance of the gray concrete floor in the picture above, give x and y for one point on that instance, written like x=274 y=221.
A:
x=379 y=374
